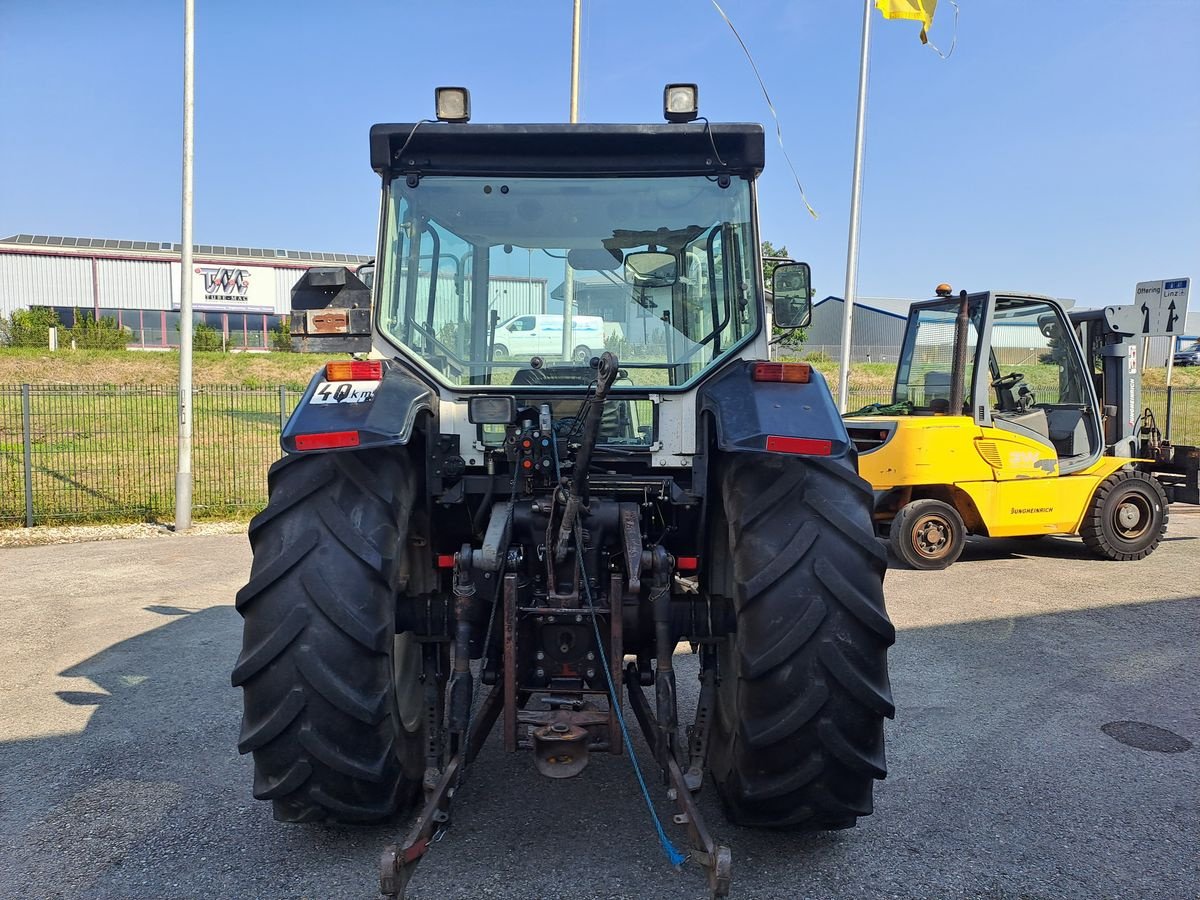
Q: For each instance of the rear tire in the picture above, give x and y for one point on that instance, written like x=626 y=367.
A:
x=582 y=355
x=1127 y=516
x=328 y=689
x=927 y=534
x=499 y=352
x=798 y=730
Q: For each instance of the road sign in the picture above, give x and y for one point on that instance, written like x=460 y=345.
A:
x=1159 y=308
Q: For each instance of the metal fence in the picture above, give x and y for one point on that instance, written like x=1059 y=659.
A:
x=87 y=453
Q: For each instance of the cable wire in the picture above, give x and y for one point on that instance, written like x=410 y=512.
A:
x=771 y=106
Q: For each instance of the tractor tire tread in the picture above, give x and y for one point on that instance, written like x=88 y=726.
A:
x=798 y=732
x=319 y=714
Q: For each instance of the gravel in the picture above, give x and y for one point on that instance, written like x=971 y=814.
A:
x=119 y=775
x=78 y=534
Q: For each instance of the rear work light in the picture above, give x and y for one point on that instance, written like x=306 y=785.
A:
x=804 y=446
x=793 y=373
x=326 y=440
x=354 y=370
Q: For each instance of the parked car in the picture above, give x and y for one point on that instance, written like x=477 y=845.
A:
x=542 y=335
x=1187 y=351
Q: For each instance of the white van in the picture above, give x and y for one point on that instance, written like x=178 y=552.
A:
x=541 y=335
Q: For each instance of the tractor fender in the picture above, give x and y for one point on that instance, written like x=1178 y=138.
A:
x=746 y=413
x=370 y=414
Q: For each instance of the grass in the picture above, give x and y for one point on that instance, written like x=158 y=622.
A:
x=108 y=453
x=248 y=370
x=103 y=436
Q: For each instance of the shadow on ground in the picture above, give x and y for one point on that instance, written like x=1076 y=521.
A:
x=1003 y=785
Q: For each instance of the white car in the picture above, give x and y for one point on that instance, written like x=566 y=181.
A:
x=542 y=335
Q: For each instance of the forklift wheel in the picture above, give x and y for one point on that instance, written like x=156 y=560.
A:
x=927 y=534
x=1127 y=516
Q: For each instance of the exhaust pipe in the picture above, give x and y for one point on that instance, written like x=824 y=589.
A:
x=958 y=368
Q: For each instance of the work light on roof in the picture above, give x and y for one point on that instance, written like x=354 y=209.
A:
x=452 y=104
x=681 y=102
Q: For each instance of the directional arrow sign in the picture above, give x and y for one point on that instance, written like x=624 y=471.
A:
x=1158 y=308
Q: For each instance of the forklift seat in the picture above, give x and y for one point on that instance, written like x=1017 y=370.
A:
x=1031 y=423
x=1068 y=432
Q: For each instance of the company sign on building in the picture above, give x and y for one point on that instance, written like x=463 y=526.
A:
x=225 y=287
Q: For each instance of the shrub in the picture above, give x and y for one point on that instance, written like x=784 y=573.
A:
x=29 y=327
x=205 y=338
x=104 y=334
x=281 y=336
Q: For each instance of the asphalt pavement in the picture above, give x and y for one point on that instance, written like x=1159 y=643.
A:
x=1044 y=746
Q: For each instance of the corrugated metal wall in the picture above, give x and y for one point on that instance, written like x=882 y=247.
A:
x=134 y=284
x=285 y=280
x=31 y=280
x=876 y=334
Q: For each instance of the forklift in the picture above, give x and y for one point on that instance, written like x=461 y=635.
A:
x=1010 y=418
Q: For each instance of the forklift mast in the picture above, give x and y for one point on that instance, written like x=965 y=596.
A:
x=1129 y=428
x=1112 y=358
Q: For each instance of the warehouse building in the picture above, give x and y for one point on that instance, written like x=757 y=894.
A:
x=878 y=332
x=878 y=328
x=242 y=292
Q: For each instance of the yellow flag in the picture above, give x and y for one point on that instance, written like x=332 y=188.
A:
x=917 y=10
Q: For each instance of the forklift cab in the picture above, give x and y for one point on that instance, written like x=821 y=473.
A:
x=1022 y=371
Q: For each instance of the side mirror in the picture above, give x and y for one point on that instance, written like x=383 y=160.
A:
x=650 y=269
x=791 y=287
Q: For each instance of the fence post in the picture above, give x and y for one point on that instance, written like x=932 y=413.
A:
x=27 y=435
x=282 y=408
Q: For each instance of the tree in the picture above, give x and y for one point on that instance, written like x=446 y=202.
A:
x=785 y=337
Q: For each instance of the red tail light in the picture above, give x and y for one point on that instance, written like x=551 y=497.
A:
x=687 y=563
x=445 y=561
x=793 y=373
x=326 y=440
x=354 y=370
x=803 y=446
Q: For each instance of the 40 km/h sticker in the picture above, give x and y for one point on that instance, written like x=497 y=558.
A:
x=344 y=392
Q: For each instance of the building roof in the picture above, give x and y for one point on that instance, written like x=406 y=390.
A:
x=73 y=246
x=889 y=306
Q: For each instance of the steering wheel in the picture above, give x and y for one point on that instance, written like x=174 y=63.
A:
x=1008 y=382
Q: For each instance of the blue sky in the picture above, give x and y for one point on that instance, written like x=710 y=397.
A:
x=1057 y=150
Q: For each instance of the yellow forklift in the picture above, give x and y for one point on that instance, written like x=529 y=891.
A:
x=1002 y=425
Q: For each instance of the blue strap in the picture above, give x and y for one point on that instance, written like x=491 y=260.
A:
x=673 y=855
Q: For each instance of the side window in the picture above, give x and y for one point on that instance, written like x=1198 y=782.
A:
x=525 y=323
x=1036 y=357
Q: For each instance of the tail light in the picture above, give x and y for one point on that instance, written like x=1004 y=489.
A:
x=802 y=446
x=792 y=373
x=327 y=440
x=354 y=370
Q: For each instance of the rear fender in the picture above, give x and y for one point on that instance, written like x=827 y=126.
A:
x=380 y=413
x=746 y=413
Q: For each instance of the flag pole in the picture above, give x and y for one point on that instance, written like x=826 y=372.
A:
x=855 y=204
x=183 y=473
x=568 y=338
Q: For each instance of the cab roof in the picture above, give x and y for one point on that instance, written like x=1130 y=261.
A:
x=695 y=148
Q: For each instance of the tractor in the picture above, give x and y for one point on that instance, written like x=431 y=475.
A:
x=1015 y=416
x=457 y=537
